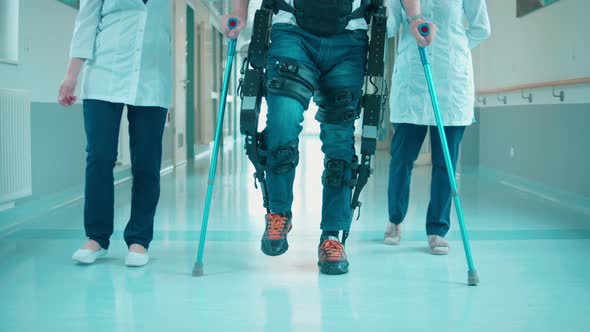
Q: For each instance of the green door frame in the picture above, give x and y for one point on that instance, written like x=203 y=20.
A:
x=190 y=86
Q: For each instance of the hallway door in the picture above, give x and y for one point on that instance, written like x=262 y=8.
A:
x=180 y=82
x=190 y=82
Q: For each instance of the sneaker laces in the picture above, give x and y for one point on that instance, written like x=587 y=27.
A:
x=333 y=249
x=275 y=225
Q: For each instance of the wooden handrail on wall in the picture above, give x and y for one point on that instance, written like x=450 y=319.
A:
x=575 y=81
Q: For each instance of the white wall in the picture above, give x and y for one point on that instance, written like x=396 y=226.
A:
x=45 y=31
x=549 y=44
x=541 y=146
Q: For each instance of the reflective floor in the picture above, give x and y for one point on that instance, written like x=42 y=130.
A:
x=531 y=255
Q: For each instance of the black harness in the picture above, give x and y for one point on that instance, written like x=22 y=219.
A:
x=324 y=17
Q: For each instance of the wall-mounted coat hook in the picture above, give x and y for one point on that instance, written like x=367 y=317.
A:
x=529 y=97
x=505 y=99
x=482 y=100
x=560 y=95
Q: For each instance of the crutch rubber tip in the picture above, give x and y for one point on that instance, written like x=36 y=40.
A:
x=472 y=278
x=197 y=270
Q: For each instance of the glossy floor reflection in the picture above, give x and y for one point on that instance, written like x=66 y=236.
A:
x=531 y=256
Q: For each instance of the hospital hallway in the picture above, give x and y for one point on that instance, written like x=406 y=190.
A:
x=530 y=255
x=512 y=72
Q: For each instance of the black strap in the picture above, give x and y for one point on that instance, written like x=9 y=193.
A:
x=364 y=10
x=290 y=69
x=337 y=97
x=284 y=6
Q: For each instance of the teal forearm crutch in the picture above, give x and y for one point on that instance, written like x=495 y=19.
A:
x=472 y=278
x=232 y=23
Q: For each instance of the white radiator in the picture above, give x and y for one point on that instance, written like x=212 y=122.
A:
x=15 y=146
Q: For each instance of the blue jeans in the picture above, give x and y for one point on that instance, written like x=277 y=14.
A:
x=405 y=147
x=338 y=62
x=146 y=126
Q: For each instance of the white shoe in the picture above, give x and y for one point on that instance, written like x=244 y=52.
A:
x=88 y=256
x=438 y=245
x=393 y=234
x=136 y=259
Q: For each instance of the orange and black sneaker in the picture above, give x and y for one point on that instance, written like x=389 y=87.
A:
x=332 y=258
x=274 y=239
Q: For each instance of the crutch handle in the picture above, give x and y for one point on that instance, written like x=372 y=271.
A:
x=424 y=29
x=232 y=23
